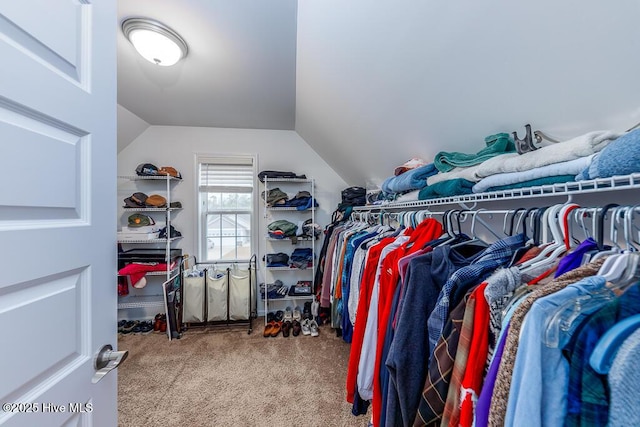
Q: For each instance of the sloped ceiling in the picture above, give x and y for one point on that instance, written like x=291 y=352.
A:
x=381 y=82
x=369 y=84
x=239 y=72
x=130 y=127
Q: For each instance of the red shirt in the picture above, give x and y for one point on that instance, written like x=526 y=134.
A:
x=478 y=349
x=426 y=231
x=362 y=313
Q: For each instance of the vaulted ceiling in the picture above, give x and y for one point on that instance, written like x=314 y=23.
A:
x=370 y=84
x=239 y=72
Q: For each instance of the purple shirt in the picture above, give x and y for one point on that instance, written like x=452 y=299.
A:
x=484 y=400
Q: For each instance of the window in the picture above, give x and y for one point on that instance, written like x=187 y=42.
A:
x=226 y=208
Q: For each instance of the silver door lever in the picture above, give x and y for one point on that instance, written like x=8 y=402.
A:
x=106 y=360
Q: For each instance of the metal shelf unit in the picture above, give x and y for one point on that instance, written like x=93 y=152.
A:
x=142 y=302
x=271 y=213
x=155 y=301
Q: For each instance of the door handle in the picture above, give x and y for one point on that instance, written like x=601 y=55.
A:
x=105 y=360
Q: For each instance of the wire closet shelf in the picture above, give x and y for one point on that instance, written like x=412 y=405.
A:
x=623 y=182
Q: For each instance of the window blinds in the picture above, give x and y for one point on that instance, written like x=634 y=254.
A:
x=229 y=175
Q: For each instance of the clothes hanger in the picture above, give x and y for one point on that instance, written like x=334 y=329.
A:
x=564 y=317
x=528 y=242
x=600 y=225
x=475 y=242
x=562 y=241
x=605 y=351
x=558 y=240
x=613 y=235
x=614 y=267
x=538 y=225
x=564 y=214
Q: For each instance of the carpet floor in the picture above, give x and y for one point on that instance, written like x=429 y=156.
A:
x=225 y=377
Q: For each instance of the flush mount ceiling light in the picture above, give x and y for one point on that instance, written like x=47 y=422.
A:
x=156 y=42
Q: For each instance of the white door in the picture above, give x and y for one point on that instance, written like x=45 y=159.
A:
x=57 y=213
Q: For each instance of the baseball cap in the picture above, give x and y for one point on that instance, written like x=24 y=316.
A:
x=147 y=169
x=168 y=170
x=140 y=220
x=415 y=162
x=156 y=201
x=136 y=200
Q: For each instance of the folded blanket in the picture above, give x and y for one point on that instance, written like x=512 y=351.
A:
x=413 y=179
x=411 y=196
x=549 y=180
x=621 y=157
x=453 y=187
x=572 y=167
x=465 y=173
x=581 y=146
x=496 y=144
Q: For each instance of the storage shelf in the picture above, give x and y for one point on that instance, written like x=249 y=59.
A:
x=624 y=182
x=127 y=208
x=152 y=177
x=150 y=240
x=141 y=302
x=309 y=268
x=297 y=180
x=273 y=239
x=290 y=298
x=289 y=208
x=157 y=273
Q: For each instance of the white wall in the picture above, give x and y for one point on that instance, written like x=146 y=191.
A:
x=379 y=82
x=276 y=150
x=130 y=127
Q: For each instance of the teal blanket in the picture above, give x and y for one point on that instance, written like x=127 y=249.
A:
x=496 y=144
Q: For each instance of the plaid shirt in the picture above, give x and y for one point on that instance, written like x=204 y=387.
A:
x=436 y=386
x=451 y=415
x=496 y=255
x=587 y=401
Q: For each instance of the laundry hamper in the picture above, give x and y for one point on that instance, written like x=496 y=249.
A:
x=217 y=301
x=241 y=294
x=193 y=299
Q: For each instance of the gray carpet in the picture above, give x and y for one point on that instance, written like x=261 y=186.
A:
x=225 y=377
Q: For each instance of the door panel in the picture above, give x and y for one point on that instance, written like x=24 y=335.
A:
x=56 y=46
x=57 y=210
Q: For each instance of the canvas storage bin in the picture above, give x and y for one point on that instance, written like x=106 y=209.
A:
x=193 y=299
x=217 y=288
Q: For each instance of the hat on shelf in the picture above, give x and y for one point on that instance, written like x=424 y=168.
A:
x=408 y=165
x=147 y=169
x=140 y=220
x=172 y=232
x=168 y=170
x=136 y=200
x=156 y=201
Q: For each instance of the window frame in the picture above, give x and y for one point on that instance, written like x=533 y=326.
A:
x=202 y=210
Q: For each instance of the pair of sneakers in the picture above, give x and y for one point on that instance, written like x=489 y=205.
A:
x=310 y=327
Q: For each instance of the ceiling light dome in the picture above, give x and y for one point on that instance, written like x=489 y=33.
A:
x=156 y=42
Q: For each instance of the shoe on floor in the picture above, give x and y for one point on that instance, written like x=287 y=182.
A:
x=297 y=315
x=306 y=327
x=268 y=328
x=286 y=328
x=295 y=328
x=277 y=327
x=313 y=328
x=129 y=326
x=121 y=325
